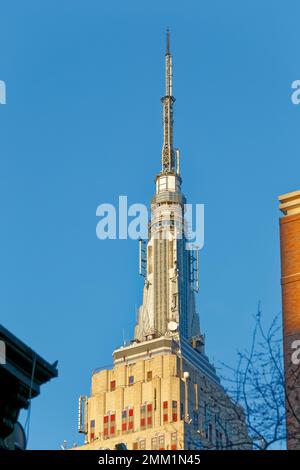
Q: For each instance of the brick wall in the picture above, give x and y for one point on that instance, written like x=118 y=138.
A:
x=290 y=281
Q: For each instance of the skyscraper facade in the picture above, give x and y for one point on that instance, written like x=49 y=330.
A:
x=163 y=392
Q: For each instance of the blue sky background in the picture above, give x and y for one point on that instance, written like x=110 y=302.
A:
x=82 y=125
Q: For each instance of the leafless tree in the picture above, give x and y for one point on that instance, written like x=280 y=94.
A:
x=257 y=385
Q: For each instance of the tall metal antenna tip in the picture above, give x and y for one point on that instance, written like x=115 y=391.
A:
x=168 y=42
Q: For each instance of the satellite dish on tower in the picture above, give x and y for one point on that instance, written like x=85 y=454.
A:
x=172 y=326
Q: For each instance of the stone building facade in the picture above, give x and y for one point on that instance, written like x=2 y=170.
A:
x=161 y=395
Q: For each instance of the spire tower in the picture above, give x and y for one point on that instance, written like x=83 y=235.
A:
x=168 y=160
x=168 y=306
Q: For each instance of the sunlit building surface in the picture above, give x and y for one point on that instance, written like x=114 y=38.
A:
x=290 y=284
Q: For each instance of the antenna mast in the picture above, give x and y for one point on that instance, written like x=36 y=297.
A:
x=168 y=165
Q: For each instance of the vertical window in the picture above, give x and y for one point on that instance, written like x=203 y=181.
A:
x=161 y=442
x=143 y=417
x=105 y=426
x=112 y=424
x=131 y=380
x=142 y=443
x=206 y=420
x=196 y=396
x=181 y=411
x=92 y=430
x=109 y=425
x=149 y=415
x=174 y=411
x=149 y=375
x=124 y=420
x=146 y=416
x=174 y=441
x=112 y=385
x=130 y=419
x=165 y=412
x=154 y=443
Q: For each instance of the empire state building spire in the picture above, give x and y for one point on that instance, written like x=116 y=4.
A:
x=168 y=163
x=168 y=306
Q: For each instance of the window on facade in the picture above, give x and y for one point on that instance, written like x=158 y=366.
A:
x=112 y=385
x=174 y=411
x=112 y=419
x=174 y=441
x=146 y=416
x=92 y=430
x=195 y=420
x=127 y=419
x=154 y=443
x=161 y=442
x=130 y=419
x=142 y=445
x=109 y=425
x=124 y=420
x=165 y=412
x=149 y=375
x=131 y=380
x=143 y=417
x=149 y=415
x=105 y=426
x=206 y=420
x=181 y=411
x=139 y=444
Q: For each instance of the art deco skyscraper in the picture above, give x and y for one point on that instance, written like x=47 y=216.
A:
x=162 y=392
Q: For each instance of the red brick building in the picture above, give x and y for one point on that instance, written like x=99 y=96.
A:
x=290 y=282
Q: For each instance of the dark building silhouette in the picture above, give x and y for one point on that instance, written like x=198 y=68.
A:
x=22 y=372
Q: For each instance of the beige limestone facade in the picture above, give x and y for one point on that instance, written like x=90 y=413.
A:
x=156 y=397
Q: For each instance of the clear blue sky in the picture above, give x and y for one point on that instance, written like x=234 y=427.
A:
x=82 y=124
